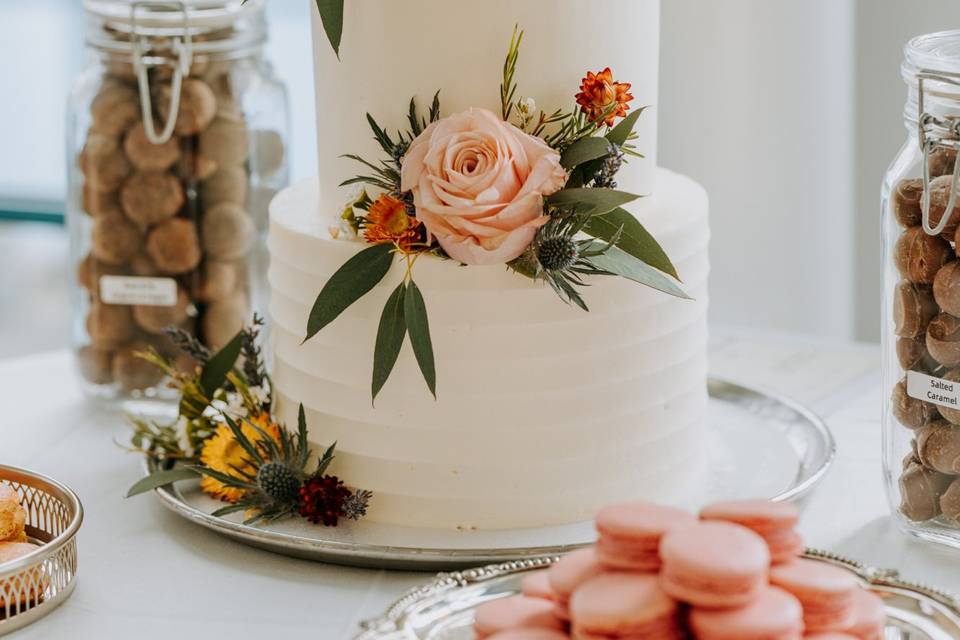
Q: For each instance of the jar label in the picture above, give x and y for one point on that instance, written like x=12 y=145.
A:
x=153 y=292
x=935 y=390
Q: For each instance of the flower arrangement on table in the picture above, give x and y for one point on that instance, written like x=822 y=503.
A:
x=530 y=189
x=225 y=435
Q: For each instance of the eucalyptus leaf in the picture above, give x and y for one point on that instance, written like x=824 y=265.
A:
x=621 y=133
x=590 y=201
x=390 y=336
x=584 y=150
x=621 y=263
x=331 y=14
x=415 y=316
x=159 y=479
x=352 y=281
x=214 y=372
x=633 y=238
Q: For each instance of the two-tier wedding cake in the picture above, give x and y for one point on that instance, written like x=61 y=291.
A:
x=542 y=411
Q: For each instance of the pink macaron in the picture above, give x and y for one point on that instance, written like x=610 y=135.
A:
x=624 y=605
x=773 y=521
x=714 y=565
x=774 y=613
x=570 y=572
x=530 y=634
x=537 y=585
x=514 y=612
x=870 y=616
x=630 y=533
x=827 y=593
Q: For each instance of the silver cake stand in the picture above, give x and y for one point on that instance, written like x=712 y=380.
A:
x=760 y=446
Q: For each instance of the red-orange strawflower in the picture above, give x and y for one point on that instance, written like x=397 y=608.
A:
x=598 y=94
x=388 y=221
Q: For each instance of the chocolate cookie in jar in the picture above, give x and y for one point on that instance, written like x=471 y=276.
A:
x=176 y=137
x=921 y=303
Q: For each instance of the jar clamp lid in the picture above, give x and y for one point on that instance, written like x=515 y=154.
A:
x=172 y=33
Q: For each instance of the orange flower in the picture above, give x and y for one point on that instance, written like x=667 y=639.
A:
x=388 y=221
x=598 y=93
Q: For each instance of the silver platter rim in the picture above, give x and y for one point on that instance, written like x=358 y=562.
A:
x=439 y=559
x=390 y=626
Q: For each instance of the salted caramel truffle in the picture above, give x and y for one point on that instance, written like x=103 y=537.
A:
x=89 y=271
x=913 y=309
x=941 y=161
x=943 y=339
x=912 y=354
x=98 y=203
x=939 y=198
x=938 y=447
x=217 y=280
x=151 y=197
x=102 y=162
x=146 y=156
x=912 y=413
x=131 y=371
x=142 y=265
x=222 y=320
x=174 y=246
x=919 y=256
x=227 y=185
x=950 y=415
x=115 y=108
x=198 y=106
x=225 y=142
x=268 y=152
x=96 y=365
x=920 y=492
x=946 y=288
x=194 y=166
x=114 y=239
x=905 y=200
x=950 y=502
x=227 y=231
x=154 y=319
x=109 y=325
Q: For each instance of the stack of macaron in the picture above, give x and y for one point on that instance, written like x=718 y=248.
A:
x=733 y=573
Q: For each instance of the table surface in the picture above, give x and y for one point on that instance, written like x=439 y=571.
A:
x=146 y=573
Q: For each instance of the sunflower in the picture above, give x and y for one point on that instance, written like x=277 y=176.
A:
x=601 y=97
x=388 y=221
x=221 y=452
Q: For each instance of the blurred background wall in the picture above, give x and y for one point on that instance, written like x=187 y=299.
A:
x=788 y=111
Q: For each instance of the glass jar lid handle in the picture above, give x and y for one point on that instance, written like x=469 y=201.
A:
x=932 y=132
x=182 y=48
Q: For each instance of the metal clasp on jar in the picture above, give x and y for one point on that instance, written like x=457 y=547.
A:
x=181 y=47
x=933 y=132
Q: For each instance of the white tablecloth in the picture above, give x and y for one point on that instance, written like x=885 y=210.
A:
x=145 y=573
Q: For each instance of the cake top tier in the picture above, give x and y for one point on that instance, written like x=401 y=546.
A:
x=393 y=50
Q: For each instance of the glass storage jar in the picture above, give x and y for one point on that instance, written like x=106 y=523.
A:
x=176 y=142
x=921 y=302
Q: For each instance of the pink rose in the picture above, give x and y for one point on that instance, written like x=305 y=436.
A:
x=478 y=185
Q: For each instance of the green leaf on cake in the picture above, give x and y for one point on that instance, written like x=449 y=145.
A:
x=621 y=133
x=352 y=281
x=415 y=315
x=390 y=336
x=584 y=150
x=331 y=14
x=214 y=372
x=621 y=263
x=159 y=479
x=588 y=201
x=633 y=238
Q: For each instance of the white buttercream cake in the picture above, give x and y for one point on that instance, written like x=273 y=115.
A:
x=544 y=412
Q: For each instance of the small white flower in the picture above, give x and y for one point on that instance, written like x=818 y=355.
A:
x=235 y=407
x=260 y=394
x=344 y=227
x=527 y=105
x=183 y=436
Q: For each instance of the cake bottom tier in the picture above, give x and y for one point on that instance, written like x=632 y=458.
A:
x=544 y=413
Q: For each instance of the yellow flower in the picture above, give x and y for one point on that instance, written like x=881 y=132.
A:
x=221 y=452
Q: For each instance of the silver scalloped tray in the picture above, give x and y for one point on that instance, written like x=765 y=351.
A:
x=443 y=608
x=798 y=450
